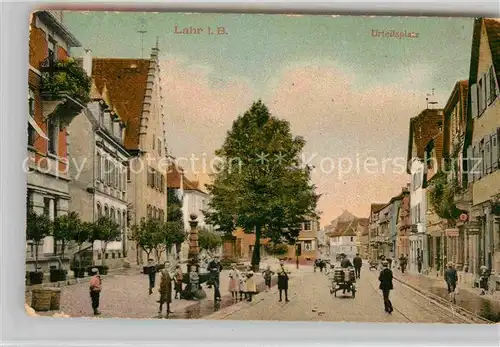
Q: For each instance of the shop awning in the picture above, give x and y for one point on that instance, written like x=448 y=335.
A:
x=36 y=127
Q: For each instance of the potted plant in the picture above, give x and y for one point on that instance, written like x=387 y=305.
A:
x=37 y=228
x=143 y=234
x=64 y=230
x=106 y=231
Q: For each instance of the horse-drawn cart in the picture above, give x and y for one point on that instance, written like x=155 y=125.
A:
x=344 y=279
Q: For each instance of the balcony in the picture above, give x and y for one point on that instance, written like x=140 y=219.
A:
x=65 y=89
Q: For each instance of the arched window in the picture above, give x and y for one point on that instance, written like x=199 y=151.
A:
x=124 y=219
x=99 y=211
x=113 y=216
x=106 y=210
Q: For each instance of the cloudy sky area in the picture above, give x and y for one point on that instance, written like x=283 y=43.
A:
x=349 y=94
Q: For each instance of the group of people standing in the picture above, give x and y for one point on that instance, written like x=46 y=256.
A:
x=243 y=285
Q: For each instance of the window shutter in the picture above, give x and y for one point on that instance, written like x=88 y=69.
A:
x=494 y=151
x=485 y=83
x=474 y=163
x=470 y=165
x=487 y=86
x=474 y=101
x=495 y=82
x=487 y=155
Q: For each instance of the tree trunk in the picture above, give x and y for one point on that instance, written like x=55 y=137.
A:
x=36 y=256
x=103 y=250
x=256 y=249
x=62 y=252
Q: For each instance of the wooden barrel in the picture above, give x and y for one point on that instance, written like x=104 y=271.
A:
x=55 y=299
x=40 y=299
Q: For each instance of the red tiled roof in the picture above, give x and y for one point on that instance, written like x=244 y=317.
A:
x=174 y=177
x=376 y=207
x=125 y=80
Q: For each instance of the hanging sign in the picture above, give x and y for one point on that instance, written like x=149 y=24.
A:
x=452 y=232
x=464 y=217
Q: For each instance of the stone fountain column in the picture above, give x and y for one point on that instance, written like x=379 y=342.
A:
x=194 y=248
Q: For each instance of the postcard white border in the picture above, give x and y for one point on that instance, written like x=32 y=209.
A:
x=17 y=329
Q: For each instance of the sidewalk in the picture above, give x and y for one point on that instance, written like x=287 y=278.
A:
x=487 y=306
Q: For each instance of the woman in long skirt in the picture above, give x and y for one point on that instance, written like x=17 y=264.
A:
x=234 y=286
x=251 y=288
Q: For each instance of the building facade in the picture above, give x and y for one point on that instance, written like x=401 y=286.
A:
x=373 y=230
x=454 y=128
x=99 y=185
x=343 y=239
x=422 y=129
x=482 y=141
x=133 y=86
x=403 y=225
x=49 y=115
x=308 y=241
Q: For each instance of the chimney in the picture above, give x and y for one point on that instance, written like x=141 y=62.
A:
x=87 y=61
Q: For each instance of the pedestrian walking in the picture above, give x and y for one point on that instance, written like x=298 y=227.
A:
x=386 y=285
x=419 y=264
x=268 y=274
x=178 y=278
x=95 y=286
x=402 y=263
x=483 y=279
x=165 y=291
x=283 y=281
x=251 y=287
x=215 y=268
x=451 y=278
x=234 y=285
x=151 y=275
x=358 y=263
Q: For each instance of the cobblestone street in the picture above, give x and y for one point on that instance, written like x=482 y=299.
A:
x=310 y=300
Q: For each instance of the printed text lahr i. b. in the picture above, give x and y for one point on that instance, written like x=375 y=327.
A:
x=197 y=31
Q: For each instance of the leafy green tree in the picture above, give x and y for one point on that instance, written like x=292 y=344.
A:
x=262 y=183
x=209 y=241
x=66 y=228
x=174 y=207
x=145 y=234
x=38 y=226
x=106 y=231
x=176 y=234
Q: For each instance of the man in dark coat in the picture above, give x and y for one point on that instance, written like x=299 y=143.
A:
x=165 y=291
x=451 y=278
x=386 y=285
x=215 y=268
x=283 y=281
x=402 y=263
x=151 y=275
x=419 y=264
x=357 y=262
